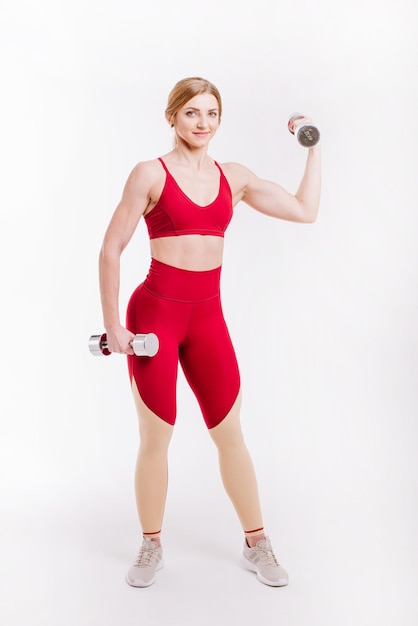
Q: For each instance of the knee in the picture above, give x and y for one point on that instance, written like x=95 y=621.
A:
x=233 y=447
x=228 y=442
x=152 y=444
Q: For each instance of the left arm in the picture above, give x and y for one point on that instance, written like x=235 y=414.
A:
x=272 y=199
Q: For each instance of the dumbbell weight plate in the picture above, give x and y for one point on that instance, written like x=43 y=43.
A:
x=307 y=135
x=98 y=345
x=145 y=345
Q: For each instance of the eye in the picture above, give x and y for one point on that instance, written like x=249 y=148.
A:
x=213 y=113
x=190 y=113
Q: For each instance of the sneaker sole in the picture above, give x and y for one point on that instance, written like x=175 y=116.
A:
x=246 y=564
x=141 y=583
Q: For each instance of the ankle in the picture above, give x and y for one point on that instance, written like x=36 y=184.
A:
x=252 y=537
x=155 y=537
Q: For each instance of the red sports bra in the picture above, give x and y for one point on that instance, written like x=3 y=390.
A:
x=175 y=214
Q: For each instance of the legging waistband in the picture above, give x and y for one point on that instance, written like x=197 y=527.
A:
x=173 y=283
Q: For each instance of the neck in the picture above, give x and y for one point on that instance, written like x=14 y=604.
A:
x=196 y=158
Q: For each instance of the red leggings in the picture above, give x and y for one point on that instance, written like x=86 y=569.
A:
x=183 y=308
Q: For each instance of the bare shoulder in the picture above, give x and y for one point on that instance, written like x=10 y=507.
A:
x=238 y=177
x=235 y=170
x=144 y=183
x=146 y=172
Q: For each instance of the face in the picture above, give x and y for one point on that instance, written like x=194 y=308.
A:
x=198 y=120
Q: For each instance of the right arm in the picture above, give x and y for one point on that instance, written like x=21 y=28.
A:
x=135 y=200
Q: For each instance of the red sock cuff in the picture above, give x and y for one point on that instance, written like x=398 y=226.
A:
x=156 y=533
x=256 y=530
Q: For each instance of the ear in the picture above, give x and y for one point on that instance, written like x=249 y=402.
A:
x=170 y=120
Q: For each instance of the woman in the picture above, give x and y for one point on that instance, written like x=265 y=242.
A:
x=187 y=199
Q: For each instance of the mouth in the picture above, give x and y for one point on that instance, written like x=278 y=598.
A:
x=201 y=134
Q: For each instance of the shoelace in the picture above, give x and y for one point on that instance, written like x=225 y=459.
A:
x=267 y=556
x=144 y=558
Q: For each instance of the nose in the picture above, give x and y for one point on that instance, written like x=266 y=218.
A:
x=202 y=121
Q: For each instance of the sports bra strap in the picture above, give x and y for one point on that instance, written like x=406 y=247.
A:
x=163 y=164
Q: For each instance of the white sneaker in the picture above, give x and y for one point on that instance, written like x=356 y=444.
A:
x=261 y=560
x=149 y=561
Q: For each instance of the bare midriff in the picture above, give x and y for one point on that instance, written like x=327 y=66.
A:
x=189 y=252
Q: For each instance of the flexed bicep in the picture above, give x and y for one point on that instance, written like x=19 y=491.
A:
x=272 y=199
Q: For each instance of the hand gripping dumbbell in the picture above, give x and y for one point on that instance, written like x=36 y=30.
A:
x=307 y=134
x=142 y=345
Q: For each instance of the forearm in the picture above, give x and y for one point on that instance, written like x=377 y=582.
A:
x=309 y=190
x=109 y=276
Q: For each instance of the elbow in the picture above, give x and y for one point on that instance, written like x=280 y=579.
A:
x=309 y=214
x=108 y=252
x=307 y=210
x=102 y=260
x=311 y=210
x=102 y=253
x=311 y=218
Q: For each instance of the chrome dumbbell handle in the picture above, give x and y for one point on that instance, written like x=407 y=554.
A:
x=142 y=345
x=307 y=134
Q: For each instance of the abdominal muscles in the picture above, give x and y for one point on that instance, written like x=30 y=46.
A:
x=189 y=252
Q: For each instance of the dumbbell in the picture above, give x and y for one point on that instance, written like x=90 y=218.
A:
x=307 y=134
x=142 y=345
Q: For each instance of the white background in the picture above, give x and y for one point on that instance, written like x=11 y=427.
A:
x=323 y=316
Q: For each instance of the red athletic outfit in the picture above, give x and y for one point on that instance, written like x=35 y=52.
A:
x=183 y=308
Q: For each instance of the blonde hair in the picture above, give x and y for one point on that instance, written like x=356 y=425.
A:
x=185 y=90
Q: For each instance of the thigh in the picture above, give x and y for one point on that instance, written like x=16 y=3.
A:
x=156 y=377
x=155 y=433
x=209 y=362
x=228 y=433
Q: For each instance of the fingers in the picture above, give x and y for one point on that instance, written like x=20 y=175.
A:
x=126 y=348
x=120 y=341
x=119 y=349
x=296 y=120
x=129 y=349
